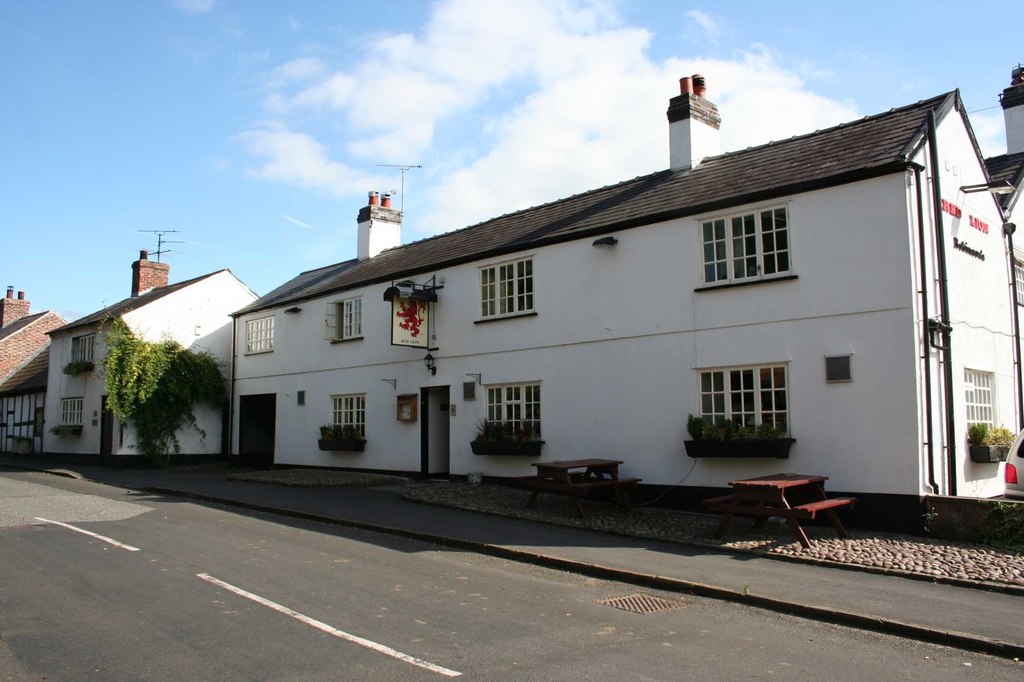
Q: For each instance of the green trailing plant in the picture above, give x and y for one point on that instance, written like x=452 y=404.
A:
x=977 y=433
x=1000 y=436
x=729 y=429
x=156 y=386
x=339 y=432
x=1004 y=526
x=488 y=431
x=79 y=367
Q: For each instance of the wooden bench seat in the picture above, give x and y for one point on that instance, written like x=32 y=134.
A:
x=575 y=489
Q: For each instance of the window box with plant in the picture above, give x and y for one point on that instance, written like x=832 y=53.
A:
x=338 y=438
x=62 y=430
x=506 y=438
x=988 y=445
x=79 y=368
x=728 y=438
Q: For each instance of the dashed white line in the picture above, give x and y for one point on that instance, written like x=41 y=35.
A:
x=324 y=627
x=115 y=543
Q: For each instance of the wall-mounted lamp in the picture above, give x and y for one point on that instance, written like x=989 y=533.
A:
x=997 y=187
x=431 y=365
x=1009 y=228
x=393 y=382
x=291 y=311
x=479 y=377
x=605 y=242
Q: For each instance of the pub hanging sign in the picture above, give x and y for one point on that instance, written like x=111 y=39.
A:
x=410 y=321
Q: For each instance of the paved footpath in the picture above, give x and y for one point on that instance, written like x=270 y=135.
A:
x=969 y=618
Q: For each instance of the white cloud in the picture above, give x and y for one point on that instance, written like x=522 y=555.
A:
x=193 y=6
x=297 y=70
x=584 y=106
x=296 y=221
x=707 y=23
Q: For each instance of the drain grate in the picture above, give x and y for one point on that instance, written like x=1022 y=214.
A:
x=642 y=603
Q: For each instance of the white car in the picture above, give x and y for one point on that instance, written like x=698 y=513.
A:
x=1014 y=474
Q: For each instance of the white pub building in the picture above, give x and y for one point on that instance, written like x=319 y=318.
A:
x=852 y=288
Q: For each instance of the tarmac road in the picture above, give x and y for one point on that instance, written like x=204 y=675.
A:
x=178 y=598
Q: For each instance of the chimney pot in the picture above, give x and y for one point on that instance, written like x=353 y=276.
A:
x=700 y=86
x=10 y=292
x=21 y=295
x=374 y=197
x=386 y=201
x=686 y=85
x=143 y=255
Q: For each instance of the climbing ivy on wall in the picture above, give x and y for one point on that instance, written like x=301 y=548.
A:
x=155 y=387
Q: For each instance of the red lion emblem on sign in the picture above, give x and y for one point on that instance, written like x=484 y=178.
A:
x=409 y=314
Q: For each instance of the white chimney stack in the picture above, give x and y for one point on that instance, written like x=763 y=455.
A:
x=379 y=227
x=693 y=124
x=1012 y=101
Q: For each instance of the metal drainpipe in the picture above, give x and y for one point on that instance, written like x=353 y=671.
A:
x=924 y=330
x=231 y=388
x=1016 y=326
x=947 y=354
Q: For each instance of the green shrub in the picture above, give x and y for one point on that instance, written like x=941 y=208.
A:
x=1000 y=435
x=977 y=433
x=1004 y=526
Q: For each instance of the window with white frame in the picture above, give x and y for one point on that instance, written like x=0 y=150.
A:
x=349 y=410
x=71 y=411
x=82 y=348
x=507 y=288
x=518 y=404
x=750 y=396
x=978 y=389
x=746 y=246
x=1018 y=268
x=259 y=335
x=344 y=319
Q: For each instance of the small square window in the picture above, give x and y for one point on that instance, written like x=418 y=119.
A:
x=837 y=369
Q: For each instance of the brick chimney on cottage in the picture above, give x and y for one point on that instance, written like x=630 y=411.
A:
x=1012 y=101
x=12 y=309
x=147 y=275
x=693 y=124
x=379 y=227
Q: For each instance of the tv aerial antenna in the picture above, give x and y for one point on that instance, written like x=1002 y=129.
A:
x=402 y=167
x=160 y=241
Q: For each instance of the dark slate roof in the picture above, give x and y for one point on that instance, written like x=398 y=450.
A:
x=16 y=326
x=129 y=304
x=870 y=147
x=31 y=378
x=1008 y=167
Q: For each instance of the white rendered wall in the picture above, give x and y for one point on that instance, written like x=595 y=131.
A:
x=616 y=343
x=691 y=141
x=197 y=317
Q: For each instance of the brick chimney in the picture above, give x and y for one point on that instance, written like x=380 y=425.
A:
x=379 y=227
x=1012 y=101
x=693 y=124
x=12 y=309
x=148 y=275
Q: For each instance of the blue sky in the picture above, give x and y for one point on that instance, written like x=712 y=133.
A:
x=256 y=129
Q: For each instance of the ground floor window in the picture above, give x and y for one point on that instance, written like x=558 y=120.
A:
x=978 y=387
x=750 y=396
x=516 y=403
x=71 y=411
x=349 y=410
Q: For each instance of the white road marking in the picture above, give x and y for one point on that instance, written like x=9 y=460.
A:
x=324 y=627
x=115 y=543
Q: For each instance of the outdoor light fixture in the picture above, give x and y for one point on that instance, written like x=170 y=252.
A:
x=997 y=187
x=605 y=242
x=292 y=310
x=429 y=362
x=1009 y=228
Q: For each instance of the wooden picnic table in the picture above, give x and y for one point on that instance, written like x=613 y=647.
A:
x=794 y=497
x=576 y=477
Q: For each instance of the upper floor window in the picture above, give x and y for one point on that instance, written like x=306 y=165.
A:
x=349 y=410
x=518 y=404
x=750 y=396
x=507 y=288
x=259 y=335
x=747 y=246
x=978 y=387
x=82 y=348
x=1018 y=268
x=71 y=411
x=344 y=319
